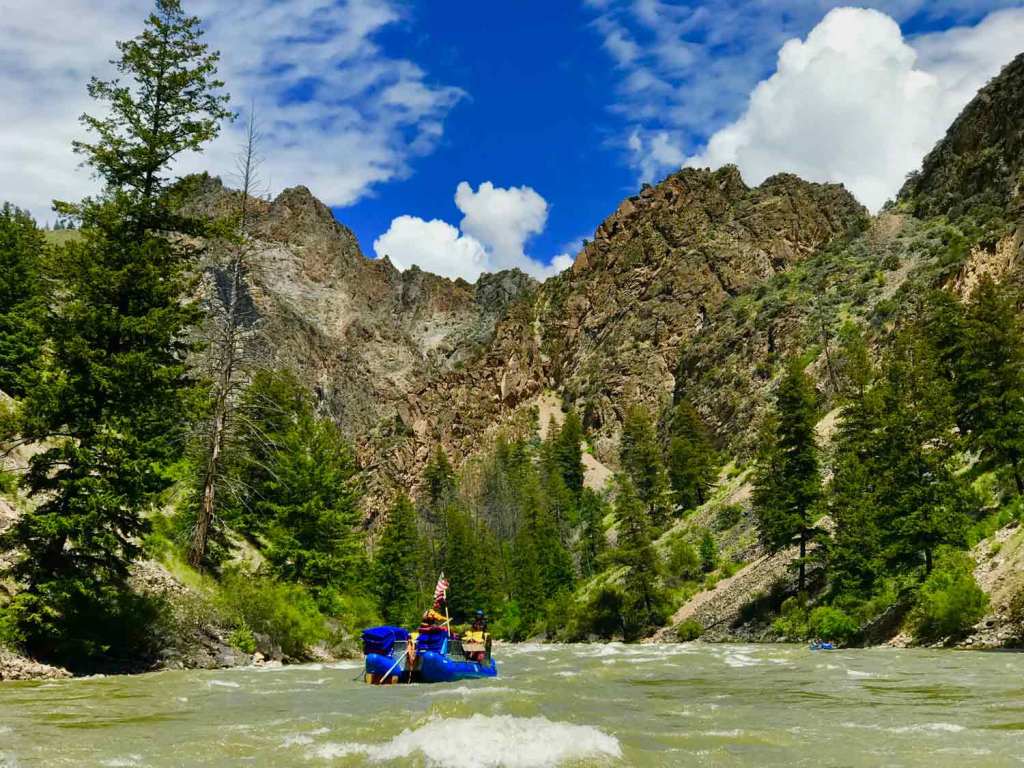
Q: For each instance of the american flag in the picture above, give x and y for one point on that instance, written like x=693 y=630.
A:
x=441 y=589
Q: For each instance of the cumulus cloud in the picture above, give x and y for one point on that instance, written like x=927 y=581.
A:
x=435 y=246
x=337 y=113
x=854 y=102
x=496 y=224
x=687 y=70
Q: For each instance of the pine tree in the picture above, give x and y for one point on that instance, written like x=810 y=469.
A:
x=169 y=103
x=440 y=481
x=991 y=377
x=592 y=541
x=399 y=565
x=856 y=547
x=312 y=498
x=111 y=393
x=641 y=459
x=924 y=501
x=22 y=302
x=708 y=552
x=691 y=461
x=635 y=551
x=228 y=360
x=568 y=455
x=787 y=484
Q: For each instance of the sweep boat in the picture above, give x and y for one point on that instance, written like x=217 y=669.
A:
x=431 y=654
x=435 y=655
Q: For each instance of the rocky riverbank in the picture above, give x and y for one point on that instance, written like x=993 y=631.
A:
x=15 y=667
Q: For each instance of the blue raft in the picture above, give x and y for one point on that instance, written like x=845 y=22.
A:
x=435 y=660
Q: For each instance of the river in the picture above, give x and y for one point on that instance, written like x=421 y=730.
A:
x=675 y=705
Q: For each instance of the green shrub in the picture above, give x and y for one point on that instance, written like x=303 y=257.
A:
x=682 y=561
x=793 y=618
x=728 y=516
x=510 y=625
x=243 y=639
x=690 y=629
x=603 y=614
x=832 y=624
x=84 y=626
x=950 y=601
x=286 y=613
x=729 y=568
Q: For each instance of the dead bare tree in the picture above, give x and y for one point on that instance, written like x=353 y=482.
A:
x=231 y=328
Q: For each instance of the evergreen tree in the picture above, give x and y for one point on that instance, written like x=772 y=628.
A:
x=109 y=396
x=708 y=552
x=568 y=455
x=856 y=547
x=270 y=406
x=924 y=501
x=399 y=565
x=787 y=484
x=168 y=103
x=440 y=481
x=991 y=377
x=641 y=459
x=592 y=541
x=22 y=303
x=634 y=550
x=691 y=461
x=312 y=501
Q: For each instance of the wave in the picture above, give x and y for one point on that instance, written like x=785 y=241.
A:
x=499 y=741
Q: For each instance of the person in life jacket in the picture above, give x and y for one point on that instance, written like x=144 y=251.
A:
x=432 y=618
x=480 y=622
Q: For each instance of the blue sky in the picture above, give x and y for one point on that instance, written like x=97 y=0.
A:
x=544 y=106
x=467 y=136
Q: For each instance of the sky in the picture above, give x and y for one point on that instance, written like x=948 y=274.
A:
x=474 y=136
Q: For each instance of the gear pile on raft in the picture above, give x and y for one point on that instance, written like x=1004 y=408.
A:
x=434 y=653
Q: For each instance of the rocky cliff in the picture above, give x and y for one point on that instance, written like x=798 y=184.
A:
x=700 y=269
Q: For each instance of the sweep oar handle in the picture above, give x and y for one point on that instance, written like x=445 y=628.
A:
x=388 y=673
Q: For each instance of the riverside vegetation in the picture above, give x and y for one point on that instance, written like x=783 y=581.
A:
x=849 y=392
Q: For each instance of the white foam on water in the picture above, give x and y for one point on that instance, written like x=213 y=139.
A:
x=858 y=675
x=223 y=684
x=738 y=660
x=465 y=690
x=480 y=741
x=919 y=728
x=123 y=762
x=567 y=673
x=345 y=665
x=928 y=728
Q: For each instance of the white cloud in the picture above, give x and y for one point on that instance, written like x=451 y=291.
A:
x=502 y=219
x=854 y=102
x=435 y=246
x=495 y=226
x=337 y=113
x=691 y=67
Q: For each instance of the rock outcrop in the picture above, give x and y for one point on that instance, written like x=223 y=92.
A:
x=980 y=161
x=15 y=667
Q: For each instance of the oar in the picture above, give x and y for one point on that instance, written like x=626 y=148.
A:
x=388 y=673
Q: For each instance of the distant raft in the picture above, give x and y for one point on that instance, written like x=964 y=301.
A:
x=430 y=655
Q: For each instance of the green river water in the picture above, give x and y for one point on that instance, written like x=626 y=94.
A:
x=614 y=705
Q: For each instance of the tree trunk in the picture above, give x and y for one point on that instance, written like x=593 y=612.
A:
x=1017 y=476
x=928 y=561
x=202 y=532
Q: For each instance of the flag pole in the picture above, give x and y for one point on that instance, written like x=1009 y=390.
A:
x=447 y=619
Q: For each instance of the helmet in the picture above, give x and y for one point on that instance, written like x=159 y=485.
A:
x=479 y=614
